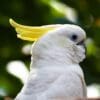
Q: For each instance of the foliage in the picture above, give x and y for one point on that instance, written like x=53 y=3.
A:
x=85 y=13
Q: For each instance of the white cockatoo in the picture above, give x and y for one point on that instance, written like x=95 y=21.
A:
x=55 y=73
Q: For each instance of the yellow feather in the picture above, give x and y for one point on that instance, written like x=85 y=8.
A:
x=31 y=33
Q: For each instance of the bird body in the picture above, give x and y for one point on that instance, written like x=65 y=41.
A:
x=54 y=83
x=55 y=73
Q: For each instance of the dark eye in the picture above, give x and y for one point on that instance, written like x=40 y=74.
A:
x=74 y=37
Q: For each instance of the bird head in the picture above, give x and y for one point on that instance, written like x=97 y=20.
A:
x=54 y=41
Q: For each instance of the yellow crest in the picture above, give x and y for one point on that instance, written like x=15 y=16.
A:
x=32 y=33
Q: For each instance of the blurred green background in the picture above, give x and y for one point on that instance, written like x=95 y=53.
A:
x=14 y=53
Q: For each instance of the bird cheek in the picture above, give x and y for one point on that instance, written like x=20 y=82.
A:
x=82 y=52
x=81 y=49
x=85 y=49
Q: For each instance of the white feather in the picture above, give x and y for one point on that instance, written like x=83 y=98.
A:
x=56 y=59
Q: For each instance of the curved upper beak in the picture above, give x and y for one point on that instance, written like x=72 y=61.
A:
x=31 y=33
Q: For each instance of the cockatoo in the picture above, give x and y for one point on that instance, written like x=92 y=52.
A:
x=55 y=73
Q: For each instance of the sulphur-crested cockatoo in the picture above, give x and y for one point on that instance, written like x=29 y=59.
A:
x=56 y=54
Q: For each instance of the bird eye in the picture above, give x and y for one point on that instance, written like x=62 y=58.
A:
x=74 y=37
